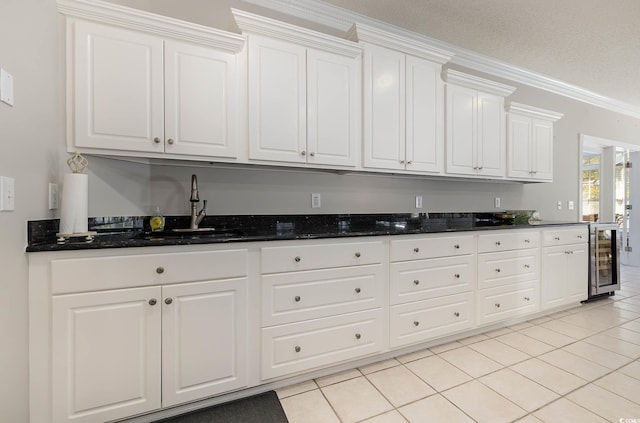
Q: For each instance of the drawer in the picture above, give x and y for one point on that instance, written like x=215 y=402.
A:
x=319 y=256
x=507 y=240
x=101 y=273
x=507 y=302
x=565 y=236
x=507 y=268
x=315 y=343
x=424 y=248
x=296 y=296
x=429 y=319
x=423 y=279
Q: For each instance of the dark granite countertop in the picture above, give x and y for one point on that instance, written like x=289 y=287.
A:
x=123 y=232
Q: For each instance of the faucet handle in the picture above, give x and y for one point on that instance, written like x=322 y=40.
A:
x=204 y=205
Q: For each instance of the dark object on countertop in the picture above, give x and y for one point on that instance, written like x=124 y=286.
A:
x=262 y=408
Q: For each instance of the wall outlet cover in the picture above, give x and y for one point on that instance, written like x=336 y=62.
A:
x=315 y=200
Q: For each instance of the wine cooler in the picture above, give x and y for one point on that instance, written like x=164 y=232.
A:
x=604 y=259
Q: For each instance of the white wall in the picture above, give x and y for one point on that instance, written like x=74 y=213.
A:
x=34 y=153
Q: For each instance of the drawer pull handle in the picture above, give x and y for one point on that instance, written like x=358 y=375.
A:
x=298 y=349
x=416 y=323
x=457 y=246
x=457 y=276
x=358 y=336
x=526 y=266
x=153 y=301
x=580 y=236
x=168 y=300
x=297 y=298
x=456 y=314
x=357 y=290
x=498 y=243
x=557 y=238
x=527 y=299
x=297 y=259
x=160 y=270
x=358 y=254
x=416 y=282
x=498 y=270
x=416 y=250
x=497 y=305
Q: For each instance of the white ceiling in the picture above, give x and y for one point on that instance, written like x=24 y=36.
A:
x=592 y=44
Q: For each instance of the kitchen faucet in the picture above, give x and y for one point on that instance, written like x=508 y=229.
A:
x=196 y=217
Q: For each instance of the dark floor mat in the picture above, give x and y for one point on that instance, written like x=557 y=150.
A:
x=262 y=408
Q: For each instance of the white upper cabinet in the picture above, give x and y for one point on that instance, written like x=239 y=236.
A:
x=530 y=142
x=475 y=125
x=304 y=94
x=403 y=98
x=139 y=84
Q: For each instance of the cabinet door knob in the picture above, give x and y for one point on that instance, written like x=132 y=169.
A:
x=527 y=299
x=457 y=276
x=303 y=153
x=498 y=243
x=401 y=161
x=358 y=254
x=358 y=336
x=153 y=301
x=526 y=266
x=170 y=141
x=557 y=238
x=297 y=259
x=497 y=305
x=580 y=236
x=160 y=270
x=480 y=168
x=297 y=348
x=409 y=162
x=297 y=298
x=457 y=246
x=416 y=250
x=416 y=323
x=357 y=290
x=456 y=314
x=156 y=140
x=168 y=300
x=312 y=154
x=416 y=282
x=498 y=270
x=526 y=241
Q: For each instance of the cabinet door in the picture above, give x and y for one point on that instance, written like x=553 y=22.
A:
x=553 y=287
x=384 y=108
x=519 y=147
x=199 y=101
x=117 y=89
x=425 y=119
x=333 y=109
x=542 y=150
x=204 y=330
x=491 y=135
x=577 y=273
x=277 y=100
x=461 y=130
x=105 y=354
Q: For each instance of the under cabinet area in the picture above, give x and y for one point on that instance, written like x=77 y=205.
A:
x=321 y=304
x=148 y=331
x=141 y=86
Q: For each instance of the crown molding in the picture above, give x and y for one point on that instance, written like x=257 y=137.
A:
x=368 y=34
x=342 y=19
x=125 y=17
x=256 y=24
x=477 y=83
x=534 y=112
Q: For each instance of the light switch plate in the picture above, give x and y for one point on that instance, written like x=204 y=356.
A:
x=418 y=201
x=7 y=193
x=315 y=200
x=6 y=87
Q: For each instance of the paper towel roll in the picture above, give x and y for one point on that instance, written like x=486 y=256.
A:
x=74 y=211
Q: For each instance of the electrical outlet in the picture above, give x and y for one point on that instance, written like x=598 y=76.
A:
x=559 y=205
x=418 y=201
x=315 y=200
x=496 y=202
x=570 y=205
x=7 y=193
x=53 y=196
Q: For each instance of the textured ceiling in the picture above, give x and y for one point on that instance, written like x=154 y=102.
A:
x=593 y=44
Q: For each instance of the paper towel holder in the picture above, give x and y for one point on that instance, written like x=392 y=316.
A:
x=77 y=163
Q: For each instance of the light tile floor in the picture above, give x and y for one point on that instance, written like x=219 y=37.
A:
x=579 y=365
